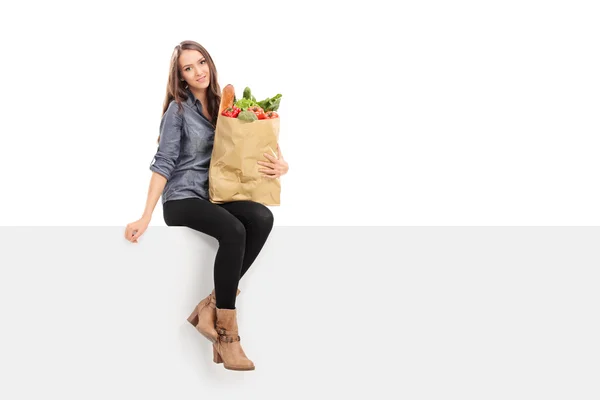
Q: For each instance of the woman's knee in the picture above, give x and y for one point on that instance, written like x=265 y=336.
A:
x=234 y=232
x=264 y=216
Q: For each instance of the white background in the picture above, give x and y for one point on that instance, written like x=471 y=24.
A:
x=435 y=113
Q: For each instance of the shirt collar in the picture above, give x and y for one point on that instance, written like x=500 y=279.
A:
x=191 y=100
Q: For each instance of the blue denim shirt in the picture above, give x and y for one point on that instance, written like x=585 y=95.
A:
x=184 y=151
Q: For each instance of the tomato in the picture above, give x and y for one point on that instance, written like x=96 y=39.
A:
x=271 y=115
x=258 y=111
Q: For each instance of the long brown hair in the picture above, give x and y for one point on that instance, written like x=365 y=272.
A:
x=176 y=88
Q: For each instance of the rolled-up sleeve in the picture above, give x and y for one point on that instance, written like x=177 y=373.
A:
x=169 y=145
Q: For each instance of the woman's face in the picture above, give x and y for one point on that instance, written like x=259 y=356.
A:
x=194 y=69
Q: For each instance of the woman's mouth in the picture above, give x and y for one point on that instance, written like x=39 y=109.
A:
x=201 y=79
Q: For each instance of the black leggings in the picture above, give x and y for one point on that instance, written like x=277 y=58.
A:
x=241 y=227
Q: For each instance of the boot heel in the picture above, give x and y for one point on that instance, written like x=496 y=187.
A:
x=193 y=318
x=216 y=356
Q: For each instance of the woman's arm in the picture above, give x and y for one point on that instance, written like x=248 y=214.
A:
x=134 y=230
x=157 y=185
x=162 y=166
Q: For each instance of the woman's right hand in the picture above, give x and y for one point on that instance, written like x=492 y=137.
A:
x=134 y=230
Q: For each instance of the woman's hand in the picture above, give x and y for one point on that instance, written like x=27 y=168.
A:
x=276 y=167
x=134 y=230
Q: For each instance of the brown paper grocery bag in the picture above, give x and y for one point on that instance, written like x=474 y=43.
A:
x=233 y=173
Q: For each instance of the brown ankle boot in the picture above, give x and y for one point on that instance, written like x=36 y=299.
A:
x=204 y=317
x=227 y=349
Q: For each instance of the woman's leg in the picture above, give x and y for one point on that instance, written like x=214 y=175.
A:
x=206 y=217
x=258 y=221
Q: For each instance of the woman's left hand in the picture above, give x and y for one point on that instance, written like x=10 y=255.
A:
x=276 y=167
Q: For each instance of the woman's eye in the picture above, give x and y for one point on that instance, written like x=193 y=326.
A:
x=187 y=69
x=203 y=62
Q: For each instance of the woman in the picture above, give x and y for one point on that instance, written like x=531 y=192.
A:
x=180 y=174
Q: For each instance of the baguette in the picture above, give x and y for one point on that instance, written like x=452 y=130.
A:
x=227 y=98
